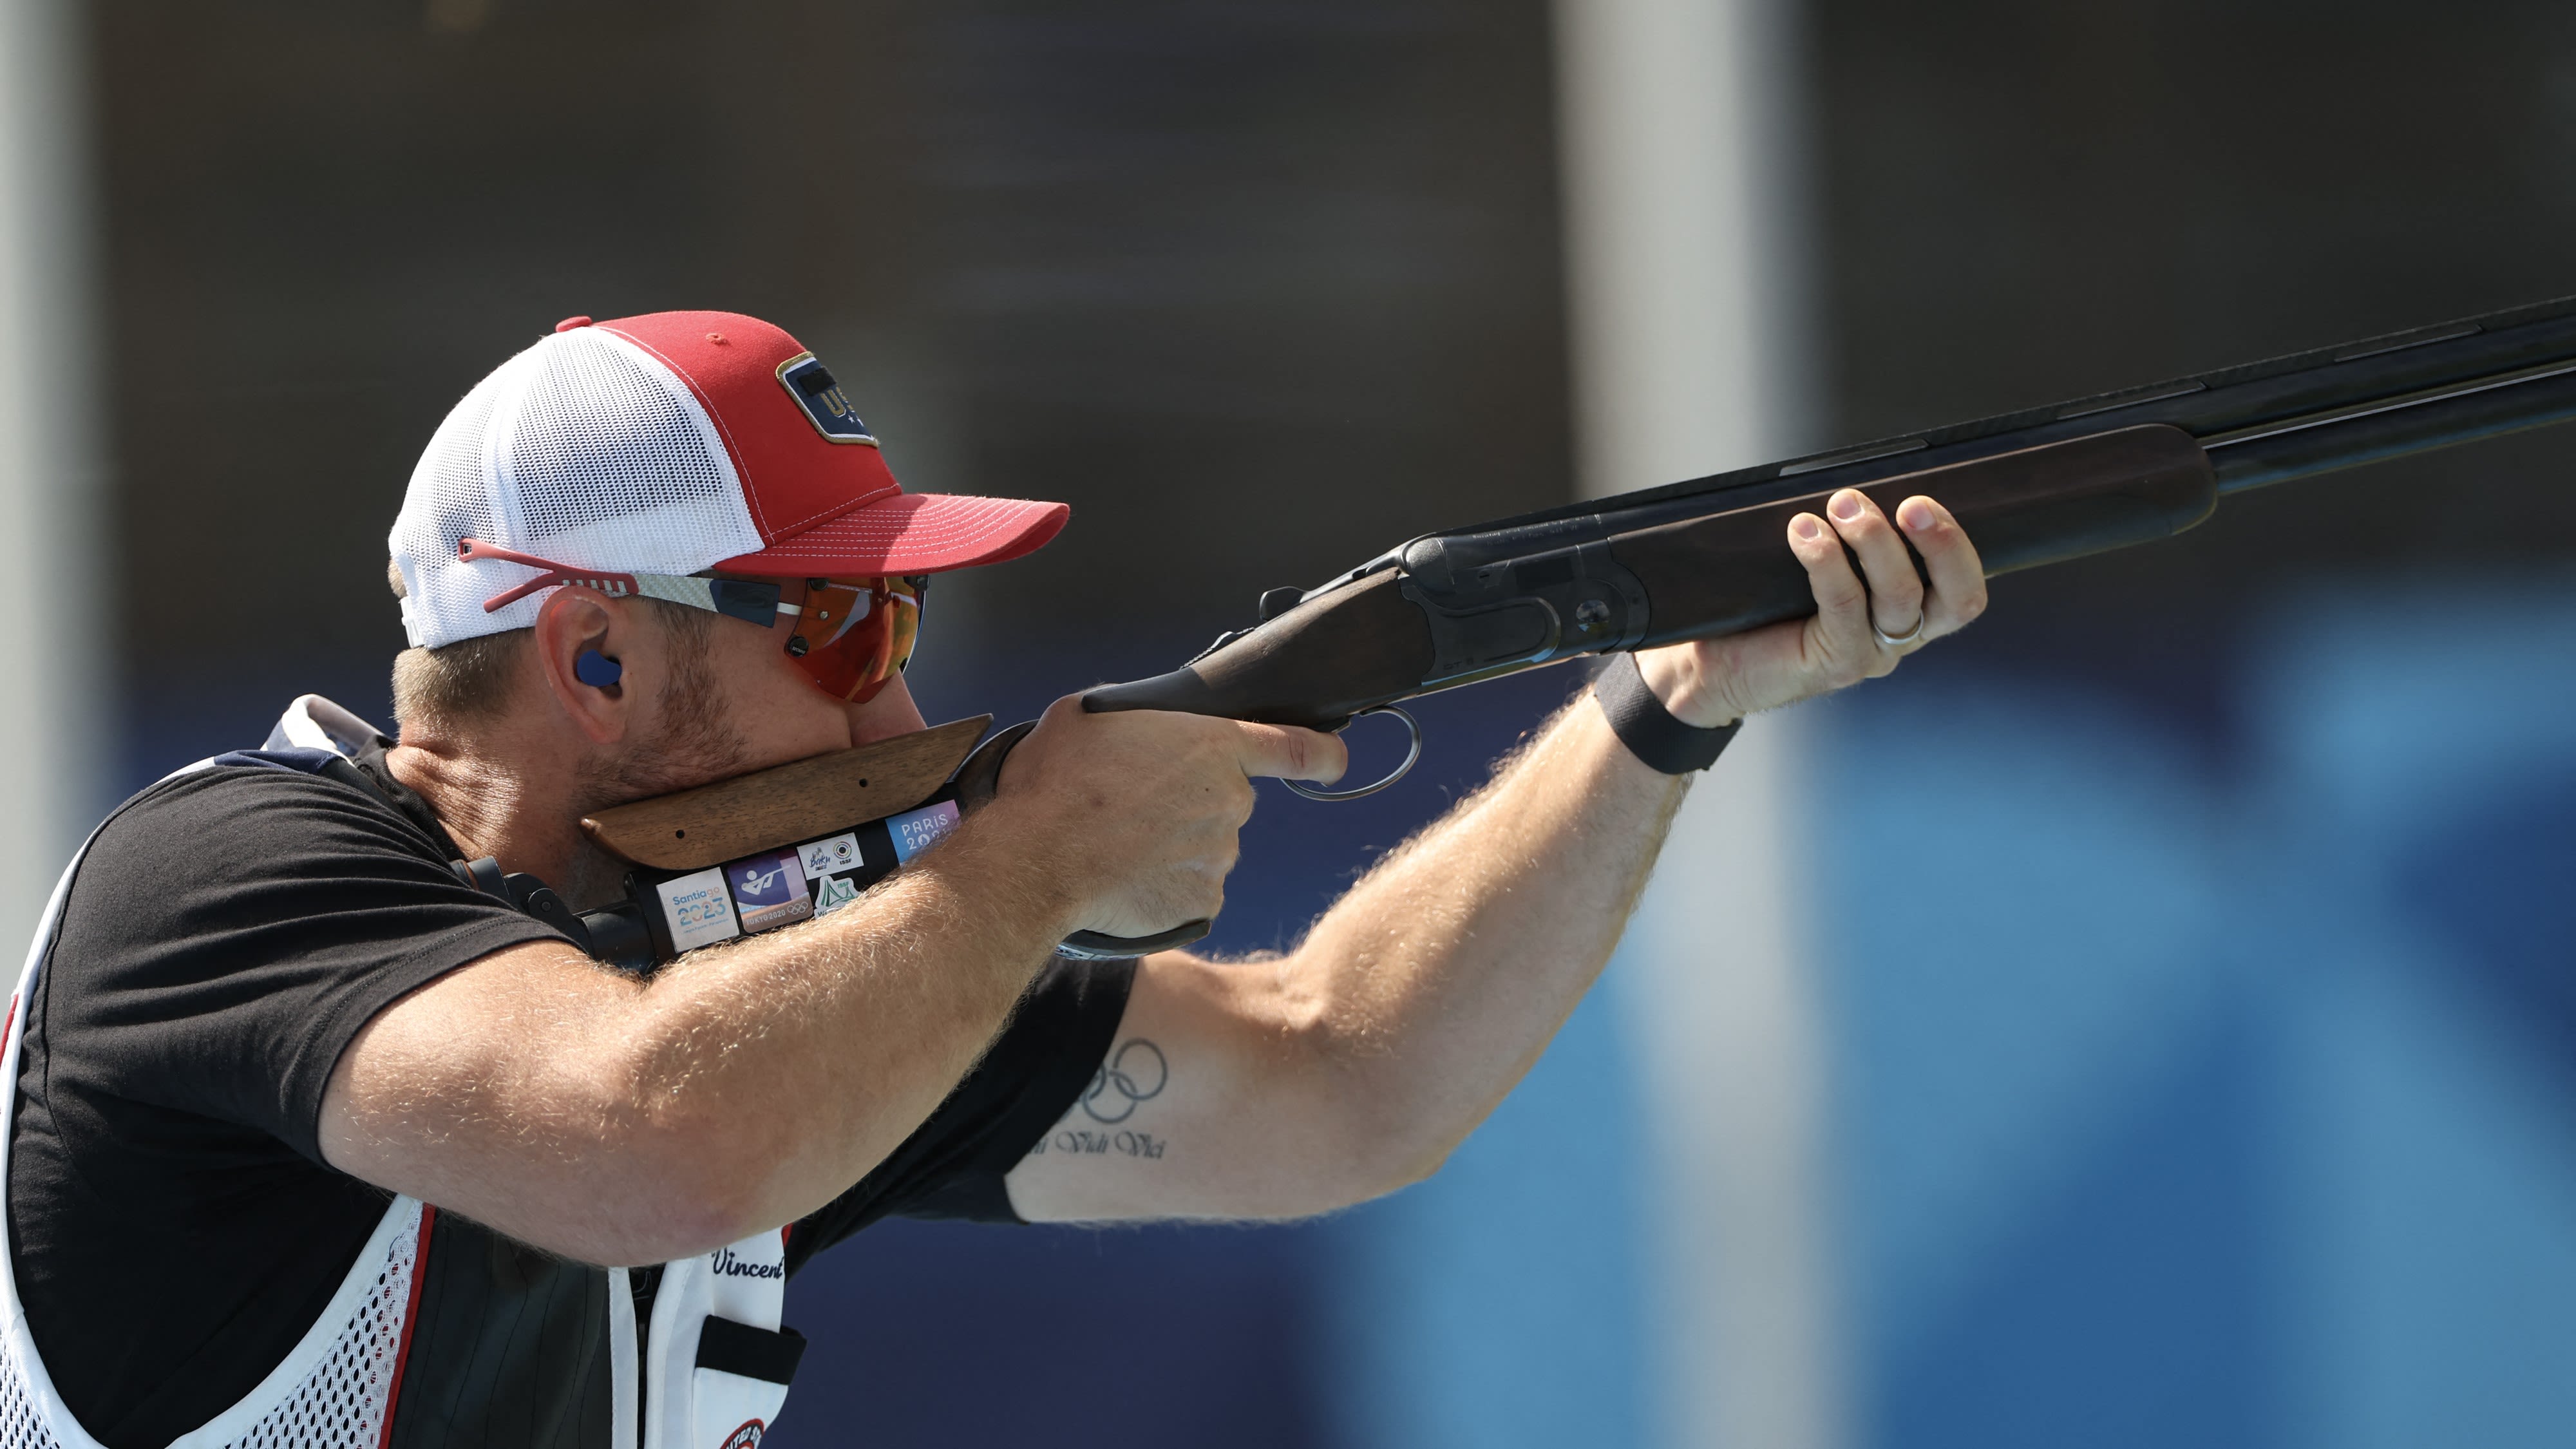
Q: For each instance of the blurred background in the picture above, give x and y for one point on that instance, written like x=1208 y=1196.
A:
x=2147 y=1019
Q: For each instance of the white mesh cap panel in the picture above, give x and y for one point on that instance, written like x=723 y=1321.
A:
x=583 y=449
x=340 y=1403
x=617 y=466
x=449 y=498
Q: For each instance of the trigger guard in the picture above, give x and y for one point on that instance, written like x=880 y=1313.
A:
x=1412 y=753
x=1101 y=946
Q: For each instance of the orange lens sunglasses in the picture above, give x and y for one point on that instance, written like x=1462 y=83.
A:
x=850 y=637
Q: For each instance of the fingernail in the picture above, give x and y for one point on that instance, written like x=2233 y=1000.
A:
x=1919 y=518
x=1807 y=526
x=1846 y=506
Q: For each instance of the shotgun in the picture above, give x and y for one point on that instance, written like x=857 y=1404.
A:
x=1692 y=560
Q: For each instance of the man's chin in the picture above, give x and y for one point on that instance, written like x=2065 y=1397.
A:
x=613 y=782
x=696 y=756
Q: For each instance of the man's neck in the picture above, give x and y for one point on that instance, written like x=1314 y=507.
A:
x=523 y=812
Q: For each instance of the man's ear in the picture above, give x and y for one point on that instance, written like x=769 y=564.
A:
x=582 y=639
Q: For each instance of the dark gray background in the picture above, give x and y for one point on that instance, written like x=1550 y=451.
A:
x=1259 y=288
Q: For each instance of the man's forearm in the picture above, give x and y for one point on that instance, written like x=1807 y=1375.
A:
x=742 y=1088
x=834 y=1040
x=1441 y=976
x=874 y=1019
x=1355 y=1063
x=749 y=1084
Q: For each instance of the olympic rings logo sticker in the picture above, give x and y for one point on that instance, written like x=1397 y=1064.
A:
x=1135 y=1073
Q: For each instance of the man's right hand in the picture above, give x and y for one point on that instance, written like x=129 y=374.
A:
x=1135 y=814
x=623 y=1121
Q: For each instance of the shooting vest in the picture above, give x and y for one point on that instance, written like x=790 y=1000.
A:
x=442 y=1329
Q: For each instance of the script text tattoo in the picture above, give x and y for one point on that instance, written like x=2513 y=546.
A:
x=1088 y=1142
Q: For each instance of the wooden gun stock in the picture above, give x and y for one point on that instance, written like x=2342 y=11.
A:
x=779 y=806
x=804 y=838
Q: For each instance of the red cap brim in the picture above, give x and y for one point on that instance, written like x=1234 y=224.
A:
x=910 y=533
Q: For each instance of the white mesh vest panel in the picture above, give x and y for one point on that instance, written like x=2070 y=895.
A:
x=333 y=1391
x=338 y=1388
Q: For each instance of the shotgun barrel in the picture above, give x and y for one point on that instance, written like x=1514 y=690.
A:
x=1707 y=557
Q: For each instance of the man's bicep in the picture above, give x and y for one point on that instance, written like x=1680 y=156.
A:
x=482 y=1091
x=227 y=931
x=1207 y=1105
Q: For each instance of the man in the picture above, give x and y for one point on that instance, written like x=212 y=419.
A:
x=653 y=553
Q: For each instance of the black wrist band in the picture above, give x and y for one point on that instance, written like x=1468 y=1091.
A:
x=1648 y=729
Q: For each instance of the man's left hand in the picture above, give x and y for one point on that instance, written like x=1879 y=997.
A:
x=1860 y=630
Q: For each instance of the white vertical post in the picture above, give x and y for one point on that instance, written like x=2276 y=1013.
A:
x=56 y=628
x=1677 y=123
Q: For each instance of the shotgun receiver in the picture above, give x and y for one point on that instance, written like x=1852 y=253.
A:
x=1693 y=560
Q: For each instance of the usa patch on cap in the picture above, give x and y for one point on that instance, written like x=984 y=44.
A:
x=815 y=390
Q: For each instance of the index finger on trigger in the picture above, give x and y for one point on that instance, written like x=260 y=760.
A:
x=1287 y=752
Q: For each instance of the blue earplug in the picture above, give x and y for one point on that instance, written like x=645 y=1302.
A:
x=596 y=669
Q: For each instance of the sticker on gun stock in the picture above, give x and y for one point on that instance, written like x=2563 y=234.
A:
x=825 y=857
x=918 y=830
x=833 y=892
x=768 y=889
x=697 y=910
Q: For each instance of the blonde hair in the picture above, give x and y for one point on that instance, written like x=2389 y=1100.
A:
x=472 y=680
x=467 y=682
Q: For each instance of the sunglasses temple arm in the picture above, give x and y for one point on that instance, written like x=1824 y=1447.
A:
x=507 y=597
x=475 y=550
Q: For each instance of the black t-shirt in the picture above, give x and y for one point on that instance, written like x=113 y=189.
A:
x=173 y=1226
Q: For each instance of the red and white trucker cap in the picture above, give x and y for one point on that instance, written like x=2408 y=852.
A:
x=669 y=444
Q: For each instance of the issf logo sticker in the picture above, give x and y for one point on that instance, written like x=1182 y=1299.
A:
x=824 y=857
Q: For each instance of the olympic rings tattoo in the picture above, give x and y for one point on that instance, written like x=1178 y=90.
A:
x=1135 y=1073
